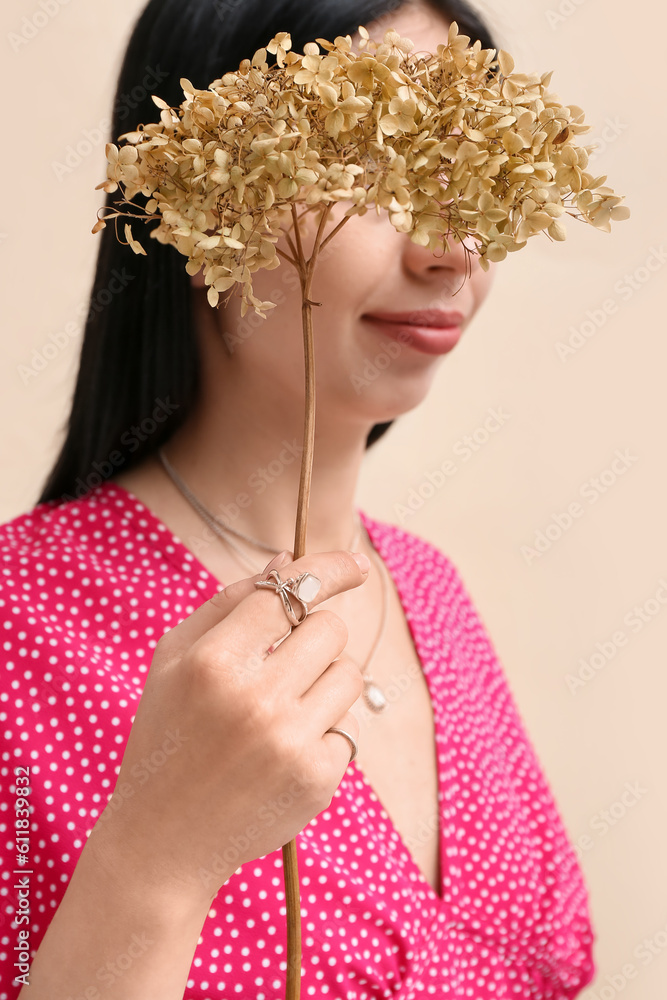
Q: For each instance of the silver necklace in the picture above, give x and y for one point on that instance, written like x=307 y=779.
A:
x=373 y=695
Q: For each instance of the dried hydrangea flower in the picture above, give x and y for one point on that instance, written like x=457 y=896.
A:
x=451 y=145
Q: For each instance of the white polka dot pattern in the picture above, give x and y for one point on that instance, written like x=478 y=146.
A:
x=87 y=589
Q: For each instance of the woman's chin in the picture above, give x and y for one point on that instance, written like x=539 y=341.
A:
x=383 y=402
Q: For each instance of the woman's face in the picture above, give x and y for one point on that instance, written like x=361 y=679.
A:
x=366 y=371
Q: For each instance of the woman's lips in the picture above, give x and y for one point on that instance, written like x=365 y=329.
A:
x=431 y=331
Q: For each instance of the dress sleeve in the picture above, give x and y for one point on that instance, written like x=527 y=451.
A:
x=558 y=949
x=38 y=849
x=17 y=832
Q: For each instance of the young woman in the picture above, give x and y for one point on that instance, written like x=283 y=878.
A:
x=174 y=735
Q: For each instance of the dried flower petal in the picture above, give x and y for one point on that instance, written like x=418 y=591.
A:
x=136 y=246
x=454 y=145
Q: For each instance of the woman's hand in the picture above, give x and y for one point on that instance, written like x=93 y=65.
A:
x=229 y=756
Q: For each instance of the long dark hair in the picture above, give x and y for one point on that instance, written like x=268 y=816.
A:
x=139 y=368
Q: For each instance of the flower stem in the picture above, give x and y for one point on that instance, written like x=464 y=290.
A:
x=305 y=269
x=309 y=418
x=293 y=905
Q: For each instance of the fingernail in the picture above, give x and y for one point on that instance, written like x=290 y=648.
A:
x=362 y=561
x=280 y=560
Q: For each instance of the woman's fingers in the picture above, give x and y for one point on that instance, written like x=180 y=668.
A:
x=331 y=694
x=211 y=612
x=313 y=651
x=261 y=615
x=242 y=622
x=338 y=748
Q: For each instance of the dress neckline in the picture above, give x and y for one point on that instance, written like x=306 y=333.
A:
x=373 y=527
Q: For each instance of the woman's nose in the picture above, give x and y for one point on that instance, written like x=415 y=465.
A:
x=449 y=264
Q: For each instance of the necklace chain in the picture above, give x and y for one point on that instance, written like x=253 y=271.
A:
x=374 y=697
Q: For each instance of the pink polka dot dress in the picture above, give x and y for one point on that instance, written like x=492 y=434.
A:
x=88 y=586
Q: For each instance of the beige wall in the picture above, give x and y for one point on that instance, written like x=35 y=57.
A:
x=565 y=421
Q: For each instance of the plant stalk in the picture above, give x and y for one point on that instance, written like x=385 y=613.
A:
x=290 y=860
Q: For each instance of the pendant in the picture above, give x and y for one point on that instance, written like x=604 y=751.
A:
x=375 y=698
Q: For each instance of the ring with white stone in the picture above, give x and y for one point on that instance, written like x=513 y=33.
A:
x=303 y=589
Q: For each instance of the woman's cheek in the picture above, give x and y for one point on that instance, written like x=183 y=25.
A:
x=357 y=262
x=482 y=284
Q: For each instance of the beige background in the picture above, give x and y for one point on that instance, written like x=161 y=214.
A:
x=566 y=419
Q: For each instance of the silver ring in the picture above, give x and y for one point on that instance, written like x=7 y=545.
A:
x=303 y=589
x=351 y=740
